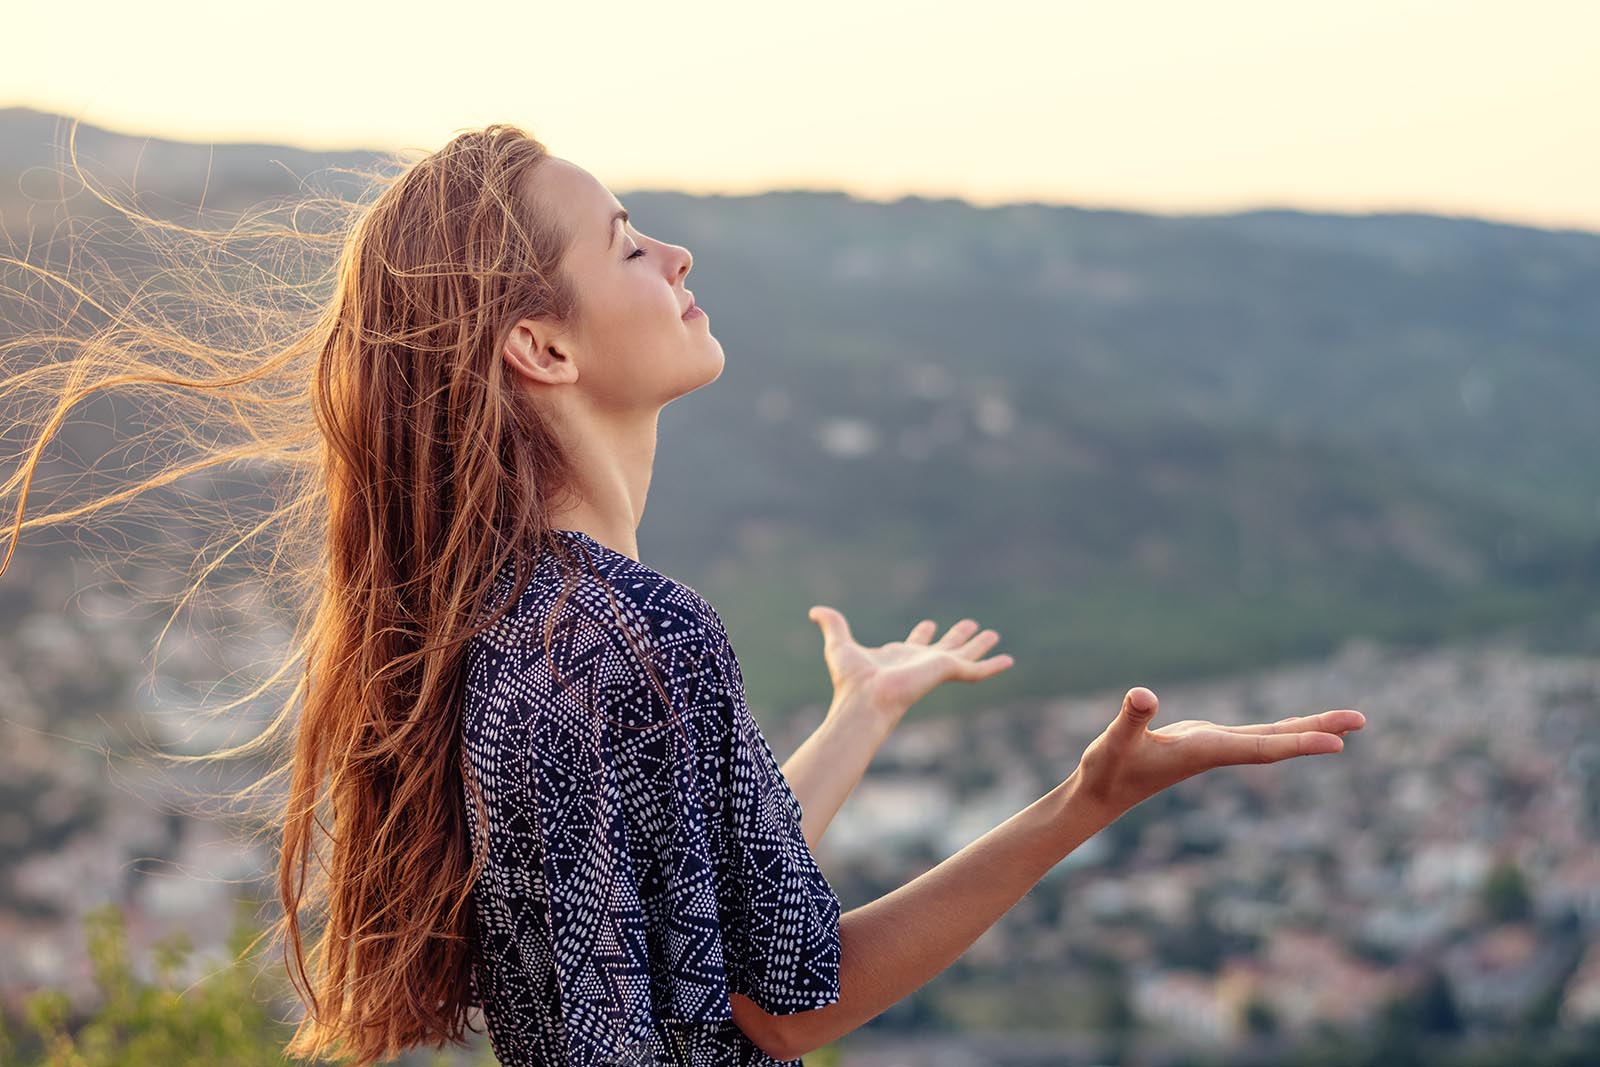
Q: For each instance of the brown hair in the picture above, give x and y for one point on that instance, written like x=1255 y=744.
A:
x=409 y=470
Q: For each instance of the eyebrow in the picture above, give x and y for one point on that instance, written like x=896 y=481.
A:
x=611 y=226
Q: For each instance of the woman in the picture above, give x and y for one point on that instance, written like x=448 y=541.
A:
x=544 y=792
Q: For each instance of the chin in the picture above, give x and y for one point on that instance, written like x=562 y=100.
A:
x=709 y=369
x=715 y=363
x=712 y=374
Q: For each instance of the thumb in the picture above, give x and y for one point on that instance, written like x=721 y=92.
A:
x=834 y=626
x=1138 y=708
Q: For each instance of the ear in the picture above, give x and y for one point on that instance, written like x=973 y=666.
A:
x=539 y=352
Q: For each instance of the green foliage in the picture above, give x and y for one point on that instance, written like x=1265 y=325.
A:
x=218 y=1019
x=1114 y=1006
x=1436 y=1010
x=1505 y=893
x=223 y=1017
x=1259 y=1017
x=1197 y=944
x=827 y=1056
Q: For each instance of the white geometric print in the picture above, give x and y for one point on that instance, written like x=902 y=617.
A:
x=642 y=862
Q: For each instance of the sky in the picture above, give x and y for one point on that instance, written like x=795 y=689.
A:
x=1486 y=109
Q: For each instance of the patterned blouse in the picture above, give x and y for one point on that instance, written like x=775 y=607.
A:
x=641 y=863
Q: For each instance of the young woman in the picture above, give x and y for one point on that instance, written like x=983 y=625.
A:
x=544 y=793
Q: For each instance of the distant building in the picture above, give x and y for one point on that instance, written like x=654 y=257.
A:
x=1498 y=974
x=1580 y=1002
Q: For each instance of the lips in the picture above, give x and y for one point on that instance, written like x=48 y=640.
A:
x=691 y=305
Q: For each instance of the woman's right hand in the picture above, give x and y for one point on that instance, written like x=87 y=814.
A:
x=1129 y=763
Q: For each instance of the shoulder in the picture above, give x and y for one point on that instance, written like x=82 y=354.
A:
x=581 y=587
x=595 y=644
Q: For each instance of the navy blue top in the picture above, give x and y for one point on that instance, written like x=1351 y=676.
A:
x=642 y=863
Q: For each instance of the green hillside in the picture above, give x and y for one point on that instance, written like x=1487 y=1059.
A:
x=1141 y=447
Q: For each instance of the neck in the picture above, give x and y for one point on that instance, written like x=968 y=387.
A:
x=612 y=458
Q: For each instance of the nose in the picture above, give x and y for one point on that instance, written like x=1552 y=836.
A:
x=683 y=261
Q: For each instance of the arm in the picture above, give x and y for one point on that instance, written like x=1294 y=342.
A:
x=872 y=690
x=829 y=764
x=894 y=945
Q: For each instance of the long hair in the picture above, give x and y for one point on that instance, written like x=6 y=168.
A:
x=408 y=468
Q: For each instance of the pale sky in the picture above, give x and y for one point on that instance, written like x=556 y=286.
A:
x=1457 y=107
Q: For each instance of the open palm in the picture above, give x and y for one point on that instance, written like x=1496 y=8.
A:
x=1129 y=762
x=894 y=676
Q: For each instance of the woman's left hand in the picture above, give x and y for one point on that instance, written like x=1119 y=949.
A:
x=890 y=678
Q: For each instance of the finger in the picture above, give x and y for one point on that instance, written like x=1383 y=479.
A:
x=979 y=644
x=922 y=632
x=1328 y=722
x=957 y=634
x=834 y=627
x=1138 y=708
x=1235 y=748
x=978 y=671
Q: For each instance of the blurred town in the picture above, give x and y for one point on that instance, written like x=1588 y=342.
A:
x=1448 y=858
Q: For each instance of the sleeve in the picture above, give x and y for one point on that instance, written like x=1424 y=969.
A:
x=673 y=858
x=780 y=914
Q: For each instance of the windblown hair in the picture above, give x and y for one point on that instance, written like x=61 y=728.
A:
x=408 y=468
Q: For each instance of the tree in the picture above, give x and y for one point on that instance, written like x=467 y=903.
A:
x=1260 y=1018
x=217 y=1020
x=1434 y=1006
x=1505 y=893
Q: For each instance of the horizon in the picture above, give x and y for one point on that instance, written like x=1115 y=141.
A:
x=1162 y=108
x=892 y=198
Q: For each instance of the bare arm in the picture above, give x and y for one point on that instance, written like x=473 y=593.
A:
x=828 y=765
x=892 y=946
x=872 y=690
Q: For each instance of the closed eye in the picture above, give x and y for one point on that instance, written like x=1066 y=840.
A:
x=634 y=253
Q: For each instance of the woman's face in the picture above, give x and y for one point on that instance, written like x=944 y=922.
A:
x=630 y=348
